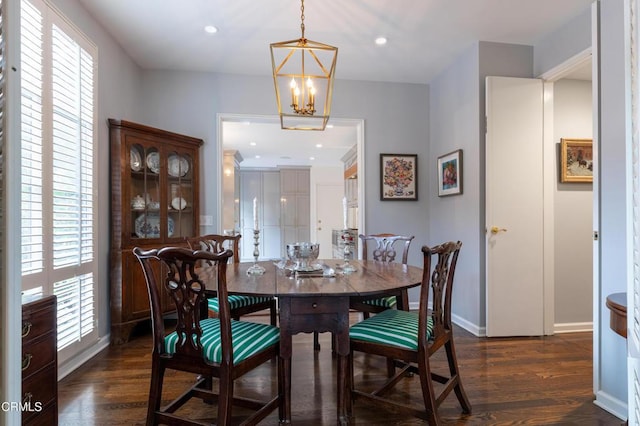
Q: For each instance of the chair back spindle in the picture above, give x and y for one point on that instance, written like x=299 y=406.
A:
x=384 y=249
x=238 y=305
x=216 y=243
x=438 y=280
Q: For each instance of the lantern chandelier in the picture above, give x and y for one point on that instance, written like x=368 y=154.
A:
x=303 y=74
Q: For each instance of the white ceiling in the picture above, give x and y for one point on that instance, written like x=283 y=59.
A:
x=424 y=36
x=277 y=147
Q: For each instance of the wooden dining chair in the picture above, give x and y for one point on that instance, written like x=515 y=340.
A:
x=219 y=347
x=240 y=305
x=384 y=250
x=413 y=337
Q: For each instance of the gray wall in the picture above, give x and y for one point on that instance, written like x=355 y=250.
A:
x=454 y=102
x=573 y=209
x=611 y=349
x=457 y=113
x=571 y=38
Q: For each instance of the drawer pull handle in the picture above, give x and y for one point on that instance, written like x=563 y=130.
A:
x=26 y=361
x=26 y=399
x=26 y=328
x=314 y=305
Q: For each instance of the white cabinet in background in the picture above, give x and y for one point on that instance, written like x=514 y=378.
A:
x=265 y=186
x=295 y=201
x=283 y=210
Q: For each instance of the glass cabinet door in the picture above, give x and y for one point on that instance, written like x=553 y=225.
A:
x=144 y=191
x=180 y=194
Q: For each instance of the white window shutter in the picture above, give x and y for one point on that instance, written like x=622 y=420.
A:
x=32 y=112
x=58 y=173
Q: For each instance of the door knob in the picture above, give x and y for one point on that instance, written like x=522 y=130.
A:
x=495 y=230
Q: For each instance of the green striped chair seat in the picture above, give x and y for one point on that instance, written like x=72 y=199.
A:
x=236 y=301
x=391 y=327
x=248 y=339
x=383 y=302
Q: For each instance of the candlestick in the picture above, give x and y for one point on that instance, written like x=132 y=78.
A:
x=256 y=269
x=344 y=213
x=255 y=214
x=346 y=267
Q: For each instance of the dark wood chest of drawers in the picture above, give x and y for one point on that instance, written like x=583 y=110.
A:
x=39 y=362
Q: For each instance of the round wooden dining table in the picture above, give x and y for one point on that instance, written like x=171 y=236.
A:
x=310 y=302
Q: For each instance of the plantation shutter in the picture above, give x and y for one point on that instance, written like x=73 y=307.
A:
x=58 y=183
x=31 y=103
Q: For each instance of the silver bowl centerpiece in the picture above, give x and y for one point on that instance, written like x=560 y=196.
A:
x=303 y=255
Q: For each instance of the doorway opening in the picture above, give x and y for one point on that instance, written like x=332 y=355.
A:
x=253 y=150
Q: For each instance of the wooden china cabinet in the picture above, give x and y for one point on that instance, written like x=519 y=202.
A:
x=154 y=203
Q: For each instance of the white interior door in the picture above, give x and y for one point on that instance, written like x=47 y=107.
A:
x=328 y=215
x=514 y=207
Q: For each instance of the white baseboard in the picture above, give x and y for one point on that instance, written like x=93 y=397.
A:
x=478 y=331
x=613 y=405
x=73 y=363
x=572 y=327
x=469 y=326
x=459 y=321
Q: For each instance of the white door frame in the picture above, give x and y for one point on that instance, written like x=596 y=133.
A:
x=357 y=123
x=550 y=166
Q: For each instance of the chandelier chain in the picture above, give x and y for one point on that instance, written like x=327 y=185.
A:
x=302 y=17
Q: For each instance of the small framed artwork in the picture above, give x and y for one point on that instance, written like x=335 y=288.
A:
x=450 y=174
x=398 y=177
x=576 y=160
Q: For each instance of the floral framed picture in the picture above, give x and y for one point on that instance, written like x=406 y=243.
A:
x=576 y=160
x=398 y=177
x=450 y=174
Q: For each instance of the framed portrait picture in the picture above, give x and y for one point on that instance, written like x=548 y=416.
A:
x=398 y=177
x=576 y=160
x=449 y=169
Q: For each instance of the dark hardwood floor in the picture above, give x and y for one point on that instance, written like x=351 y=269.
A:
x=509 y=381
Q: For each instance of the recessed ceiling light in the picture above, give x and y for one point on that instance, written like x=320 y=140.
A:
x=329 y=126
x=312 y=158
x=318 y=145
x=210 y=29
x=257 y=156
x=380 y=41
x=252 y=143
